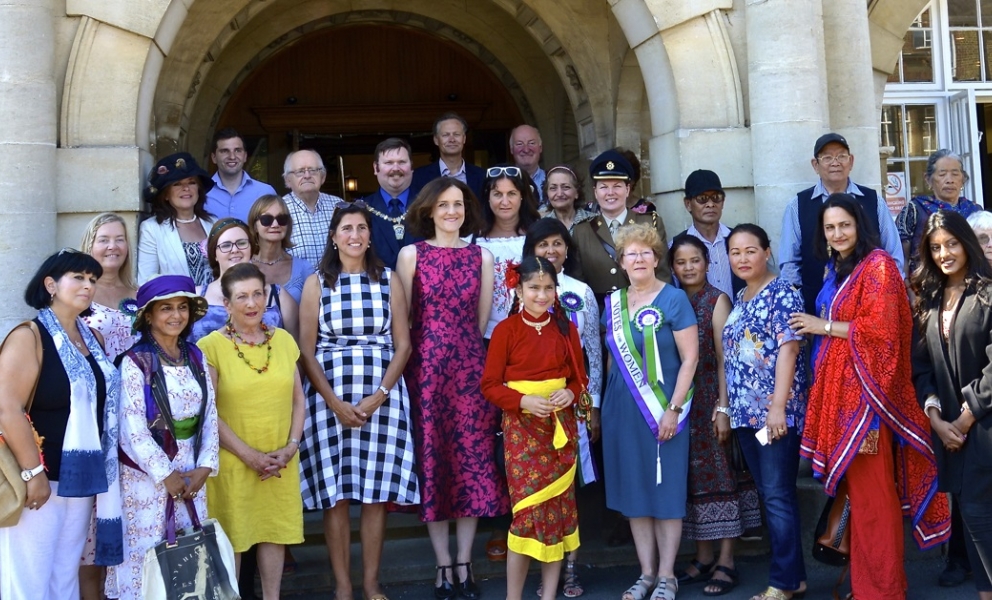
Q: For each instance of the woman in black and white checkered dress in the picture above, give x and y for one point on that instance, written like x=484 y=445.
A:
x=357 y=445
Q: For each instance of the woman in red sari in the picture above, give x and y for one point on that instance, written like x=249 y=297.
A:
x=863 y=401
x=532 y=373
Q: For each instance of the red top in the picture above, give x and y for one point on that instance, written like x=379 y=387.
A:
x=518 y=353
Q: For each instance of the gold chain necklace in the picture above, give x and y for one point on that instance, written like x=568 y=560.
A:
x=537 y=326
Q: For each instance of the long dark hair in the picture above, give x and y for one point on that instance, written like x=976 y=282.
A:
x=330 y=262
x=928 y=280
x=530 y=266
x=545 y=228
x=528 y=202
x=420 y=214
x=866 y=242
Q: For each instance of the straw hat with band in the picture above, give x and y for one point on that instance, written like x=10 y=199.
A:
x=166 y=287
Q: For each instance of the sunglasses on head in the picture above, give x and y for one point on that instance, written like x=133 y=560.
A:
x=497 y=171
x=266 y=220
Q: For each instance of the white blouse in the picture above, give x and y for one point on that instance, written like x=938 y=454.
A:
x=588 y=325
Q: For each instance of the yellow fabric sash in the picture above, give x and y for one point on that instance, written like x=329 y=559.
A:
x=543 y=389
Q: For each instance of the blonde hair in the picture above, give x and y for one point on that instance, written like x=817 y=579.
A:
x=125 y=275
x=640 y=233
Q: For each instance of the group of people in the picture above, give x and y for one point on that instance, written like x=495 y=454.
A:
x=460 y=341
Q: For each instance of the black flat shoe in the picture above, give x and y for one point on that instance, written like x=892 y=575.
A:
x=467 y=589
x=954 y=574
x=446 y=590
x=684 y=578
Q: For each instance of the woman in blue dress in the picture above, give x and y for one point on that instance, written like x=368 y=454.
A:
x=651 y=331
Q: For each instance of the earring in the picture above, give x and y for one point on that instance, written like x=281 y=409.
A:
x=333 y=245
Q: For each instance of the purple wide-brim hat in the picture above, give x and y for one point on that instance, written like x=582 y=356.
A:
x=165 y=287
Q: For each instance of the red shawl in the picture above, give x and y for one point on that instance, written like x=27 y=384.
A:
x=869 y=375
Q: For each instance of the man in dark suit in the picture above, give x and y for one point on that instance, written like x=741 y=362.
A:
x=450 y=132
x=393 y=170
x=600 y=268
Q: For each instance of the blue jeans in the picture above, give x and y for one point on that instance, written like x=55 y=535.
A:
x=775 y=468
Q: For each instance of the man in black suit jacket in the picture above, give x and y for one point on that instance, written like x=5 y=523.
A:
x=393 y=170
x=450 y=132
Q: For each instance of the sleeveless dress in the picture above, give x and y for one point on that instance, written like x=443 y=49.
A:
x=374 y=463
x=454 y=426
x=720 y=504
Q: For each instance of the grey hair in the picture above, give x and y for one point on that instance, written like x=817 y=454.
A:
x=943 y=153
x=981 y=220
x=289 y=159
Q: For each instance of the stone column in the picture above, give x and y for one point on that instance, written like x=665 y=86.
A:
x=851 y=84
x=788 y=100
x=27 y=147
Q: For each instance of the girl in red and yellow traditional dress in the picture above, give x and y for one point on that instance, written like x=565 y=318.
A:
x=533 y=374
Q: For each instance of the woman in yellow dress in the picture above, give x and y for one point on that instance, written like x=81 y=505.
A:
x=256 y=495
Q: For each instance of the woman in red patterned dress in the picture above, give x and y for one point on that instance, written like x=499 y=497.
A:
x=530 y=375
x=450 y=286
x=863 y=402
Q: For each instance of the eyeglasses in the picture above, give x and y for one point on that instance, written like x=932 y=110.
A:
x=497 y=171
x=984 y=239
x=644 y=254
x=308 y=171
x=829 y=160
x=266 y=220
x=705 y=199
x=226 y=247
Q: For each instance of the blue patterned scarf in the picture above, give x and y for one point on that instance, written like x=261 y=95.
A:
x=89 y=462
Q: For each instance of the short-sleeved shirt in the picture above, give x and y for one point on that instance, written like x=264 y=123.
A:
x=755 y=331
x=310 y=228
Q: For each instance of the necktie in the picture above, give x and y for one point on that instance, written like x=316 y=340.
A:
x=614 y=225
x=394 y=208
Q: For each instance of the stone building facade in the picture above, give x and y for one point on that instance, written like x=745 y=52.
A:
x=94 y=90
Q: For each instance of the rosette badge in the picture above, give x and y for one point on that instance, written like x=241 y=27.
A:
x=572 y=302
x=648 y=317
x=128 y=306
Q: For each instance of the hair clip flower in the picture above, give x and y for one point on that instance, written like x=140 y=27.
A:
x=512 y=277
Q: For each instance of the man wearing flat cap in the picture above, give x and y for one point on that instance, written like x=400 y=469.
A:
x=832 y=162
x=704 y=197
x=594 y=239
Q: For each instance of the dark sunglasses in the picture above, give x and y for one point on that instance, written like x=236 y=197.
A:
x=705 y=199
x=497 y=171
x=266 y=220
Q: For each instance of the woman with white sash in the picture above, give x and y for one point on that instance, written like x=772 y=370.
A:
x=651 y=332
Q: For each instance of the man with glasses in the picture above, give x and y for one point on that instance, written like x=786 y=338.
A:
x=704 y=197
x=526 y=149
x=310 y=208
x=832 y=161
x=594 y=239
x=450 y=134
x=388 y=205
x=235 y=191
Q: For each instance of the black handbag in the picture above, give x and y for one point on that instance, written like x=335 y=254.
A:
x=196 y=563
x=735 y=456
x=832 y=533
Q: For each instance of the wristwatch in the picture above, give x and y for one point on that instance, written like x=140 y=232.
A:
x=384 y=391
x=827 y=327
x=723 y=409
x=29 y=474
x=675 y=409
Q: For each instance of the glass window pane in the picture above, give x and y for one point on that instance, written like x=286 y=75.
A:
x=987 y=41
x=892 y=130
x=917 y=56
x=923 y=20
x=918 y=185
x=921 y=129
x=986 y=7
x=965 y=56
x=962 y=13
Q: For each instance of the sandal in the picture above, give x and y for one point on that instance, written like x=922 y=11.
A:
x=667 y=587
x=722 y=586
x=496 y=550
x=772 y=593
x=572 y=587
x=640 y=589
x=683 y=576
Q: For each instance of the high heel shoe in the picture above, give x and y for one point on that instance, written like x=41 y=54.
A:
x=467 y=589
x=446 y=590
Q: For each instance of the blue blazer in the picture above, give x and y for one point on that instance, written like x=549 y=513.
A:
x=476 y=176
x=384 y=241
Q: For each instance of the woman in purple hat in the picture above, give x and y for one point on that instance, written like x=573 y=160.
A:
x=169 y=441
x=174 y=241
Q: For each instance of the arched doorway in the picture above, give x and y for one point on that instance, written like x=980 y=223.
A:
x=341 y=90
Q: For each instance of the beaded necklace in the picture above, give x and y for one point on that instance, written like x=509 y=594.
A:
x=235 y=336
x=166 y=358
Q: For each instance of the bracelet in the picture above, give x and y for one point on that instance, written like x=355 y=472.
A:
x=723 y=409
x=827 y=327
x=293 y=440
x=384 y=391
